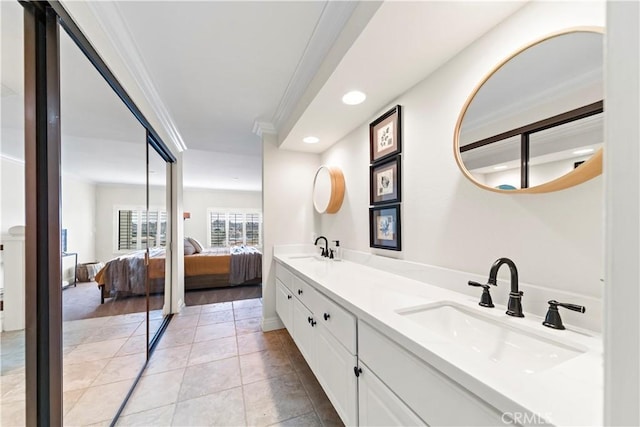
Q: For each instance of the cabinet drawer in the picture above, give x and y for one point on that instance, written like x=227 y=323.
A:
x=284 y=275
x=304 y=292
x=337 y=320
x=434 y=397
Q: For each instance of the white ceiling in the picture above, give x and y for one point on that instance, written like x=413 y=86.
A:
x=402 y=44
x=220 y=67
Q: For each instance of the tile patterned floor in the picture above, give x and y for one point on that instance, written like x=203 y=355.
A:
x=213 y=366
x=101 y=358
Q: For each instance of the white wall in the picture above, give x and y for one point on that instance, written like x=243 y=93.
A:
x=197 y=202
x=555 y=239
x=194 y=201
x=78 y=210
x=12 y=202
x=288 y=215
x=622 y=163
x=108 y=197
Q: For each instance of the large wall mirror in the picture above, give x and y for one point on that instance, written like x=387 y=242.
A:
x=535 y=124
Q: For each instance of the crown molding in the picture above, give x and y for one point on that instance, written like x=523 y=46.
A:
x=11 y=159
x=6 y=91
x=260 y=128
x=332 y=20
x=116 y=30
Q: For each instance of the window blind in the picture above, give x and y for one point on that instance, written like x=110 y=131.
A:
x=218 y=236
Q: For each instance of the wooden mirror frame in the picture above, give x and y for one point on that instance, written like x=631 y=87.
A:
x=337 y=189
x=588 y=170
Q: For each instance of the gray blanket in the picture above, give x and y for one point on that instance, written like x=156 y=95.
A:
x=127 y=273
x=246 y=264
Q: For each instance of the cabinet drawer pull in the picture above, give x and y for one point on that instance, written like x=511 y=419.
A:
x=288 y=296
x=299 y=291
x=326 y=316
x=313 y=323
x=357 y=371
x=309 y=319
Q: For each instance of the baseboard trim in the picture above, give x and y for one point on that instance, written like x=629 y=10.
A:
x=272 y=324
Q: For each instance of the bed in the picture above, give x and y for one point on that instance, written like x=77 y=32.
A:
x=209 y=268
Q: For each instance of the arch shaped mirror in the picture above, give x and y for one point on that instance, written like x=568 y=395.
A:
x=328 y=189
x=535 y=124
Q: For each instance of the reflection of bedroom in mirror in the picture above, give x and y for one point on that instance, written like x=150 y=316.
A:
x=103 y=172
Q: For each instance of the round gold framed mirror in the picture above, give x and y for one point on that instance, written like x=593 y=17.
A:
x=328 y=189
x=535 y=123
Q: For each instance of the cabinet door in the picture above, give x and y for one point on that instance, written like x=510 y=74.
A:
x=284 y=305
x=335 y=372
x=378 y=406
x=304 y=332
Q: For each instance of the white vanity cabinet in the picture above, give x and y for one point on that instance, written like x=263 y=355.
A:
x=336 y=356
x=284 y=305
x=325 y=333
x=435 y=398
x=369 y=378
x=304 y=333
x=379 y=406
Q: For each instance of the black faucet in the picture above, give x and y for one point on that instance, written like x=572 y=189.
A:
x=514 y=306
x=325 y=250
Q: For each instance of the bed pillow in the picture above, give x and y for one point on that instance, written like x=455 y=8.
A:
x=197 y=245
x=188 y=247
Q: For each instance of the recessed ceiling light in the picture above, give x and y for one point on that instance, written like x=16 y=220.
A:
x=311 y=140
x=583 y=151
x=354 y=97
x=501 y=167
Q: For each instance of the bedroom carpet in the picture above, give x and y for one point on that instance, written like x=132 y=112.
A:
x=83 y=301
x=234 y=293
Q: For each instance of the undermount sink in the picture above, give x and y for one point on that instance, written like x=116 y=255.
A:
x=302 y=256
x=490 y=338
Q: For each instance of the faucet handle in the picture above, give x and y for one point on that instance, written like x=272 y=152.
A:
x=553 y=320
x=485 y=299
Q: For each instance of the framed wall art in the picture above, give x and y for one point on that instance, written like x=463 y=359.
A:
x=384 y=227
x=384 y=181
x=385 y=136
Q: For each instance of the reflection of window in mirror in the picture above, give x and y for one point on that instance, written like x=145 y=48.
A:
x=536 y=115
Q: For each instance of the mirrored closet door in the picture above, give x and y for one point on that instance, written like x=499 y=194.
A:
x=103 y=214
x=158 y=238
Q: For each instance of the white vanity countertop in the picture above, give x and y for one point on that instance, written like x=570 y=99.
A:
x=569 y=393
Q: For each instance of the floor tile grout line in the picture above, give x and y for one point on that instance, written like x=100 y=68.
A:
x=305 y=388
x=74 y=403
x=244 y=401
x=106 y=364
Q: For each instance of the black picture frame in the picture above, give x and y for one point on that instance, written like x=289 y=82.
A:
x=385 y=181
x=385 y=231
x=385 y=135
